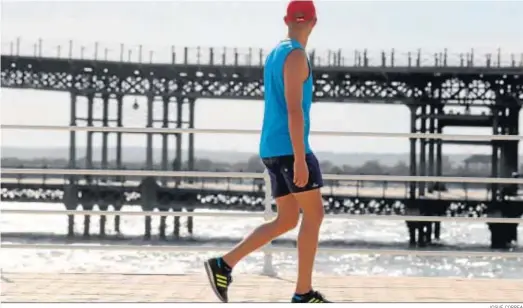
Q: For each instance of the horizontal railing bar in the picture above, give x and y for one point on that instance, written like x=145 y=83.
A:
x=399 y=252
x=151 y=130
x=253 y=175
x=139 y=173
x=262 y=215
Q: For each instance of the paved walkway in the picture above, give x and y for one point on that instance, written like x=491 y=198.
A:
x=53 y=287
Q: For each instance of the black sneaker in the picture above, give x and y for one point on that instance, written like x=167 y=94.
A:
x=311 y=297
x=219 y=277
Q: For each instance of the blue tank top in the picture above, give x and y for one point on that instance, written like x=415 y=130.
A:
x=275 y=139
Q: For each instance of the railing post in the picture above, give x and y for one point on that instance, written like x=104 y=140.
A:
x=268 y=269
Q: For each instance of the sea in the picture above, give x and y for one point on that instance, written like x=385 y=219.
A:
x=226 y=231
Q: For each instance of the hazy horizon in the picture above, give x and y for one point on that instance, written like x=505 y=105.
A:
x=138 y=154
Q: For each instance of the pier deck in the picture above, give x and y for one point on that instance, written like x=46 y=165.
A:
x=60 y=287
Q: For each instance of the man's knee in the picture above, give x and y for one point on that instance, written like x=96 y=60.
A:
x=288 y=214
x=314 y=214
x=289 y=223
x=311 y=204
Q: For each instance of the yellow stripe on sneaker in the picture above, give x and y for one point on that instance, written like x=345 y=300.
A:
x=312 y=300
x=221 y=281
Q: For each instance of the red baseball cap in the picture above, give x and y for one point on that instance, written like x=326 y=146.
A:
x=300 y=11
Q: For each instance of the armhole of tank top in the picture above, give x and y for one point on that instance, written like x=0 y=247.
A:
x=309 y=66
x=308 y=62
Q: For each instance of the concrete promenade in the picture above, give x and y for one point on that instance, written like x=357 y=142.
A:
x=101 y=287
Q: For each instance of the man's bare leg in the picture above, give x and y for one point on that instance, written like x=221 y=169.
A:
x=287 y=219
x=311 y=204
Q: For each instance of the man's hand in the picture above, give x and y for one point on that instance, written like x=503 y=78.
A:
x=301 y=172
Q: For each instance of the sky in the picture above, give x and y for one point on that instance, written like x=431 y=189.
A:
x=376 y=25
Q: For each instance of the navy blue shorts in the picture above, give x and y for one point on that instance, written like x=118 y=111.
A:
x=281 y=172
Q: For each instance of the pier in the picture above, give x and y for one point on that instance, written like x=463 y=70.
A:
x=487 y=92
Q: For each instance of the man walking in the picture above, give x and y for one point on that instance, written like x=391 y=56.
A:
x=285 y=150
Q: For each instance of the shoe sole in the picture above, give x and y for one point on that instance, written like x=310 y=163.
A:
x=208 y=270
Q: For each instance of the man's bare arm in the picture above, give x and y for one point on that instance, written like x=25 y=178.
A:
x=296 y=71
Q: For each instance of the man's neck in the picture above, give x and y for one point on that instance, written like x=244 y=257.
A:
x=300 y=38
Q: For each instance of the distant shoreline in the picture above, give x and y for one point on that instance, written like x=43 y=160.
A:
x=137 y=154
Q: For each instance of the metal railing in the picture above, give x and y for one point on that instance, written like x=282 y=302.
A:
x=263 y=215
x=254 y=175
x=153 y=130
x=226 y=56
